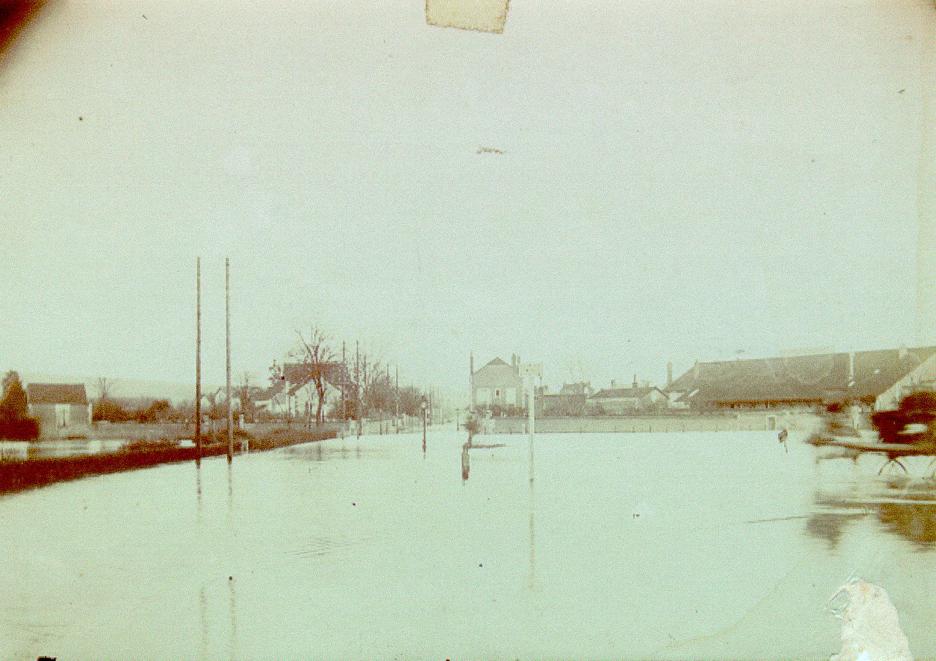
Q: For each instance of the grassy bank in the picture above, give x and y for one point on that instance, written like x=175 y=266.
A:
x=20 y=475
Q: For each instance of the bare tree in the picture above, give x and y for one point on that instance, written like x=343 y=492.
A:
x=215 y=406
x=316 y=359
x=104 y=387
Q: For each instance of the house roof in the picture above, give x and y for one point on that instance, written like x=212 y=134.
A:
x=815 y=377
x=623 y=393
x=496 y=373
x=56 y=393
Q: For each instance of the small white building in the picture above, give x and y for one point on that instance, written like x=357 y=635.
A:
x=62 y=409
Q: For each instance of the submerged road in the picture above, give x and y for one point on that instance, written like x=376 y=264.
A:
x=669 y=545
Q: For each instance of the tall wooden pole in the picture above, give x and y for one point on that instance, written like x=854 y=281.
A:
x=227 y=361
x=344 y=384
x=198 y=439
x=357 y=385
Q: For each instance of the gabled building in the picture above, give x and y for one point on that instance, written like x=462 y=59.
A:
x=624 y=401
x=878 y=379
x=569 y=401
x=497 y=385
x=62 y=409
x=294 y=394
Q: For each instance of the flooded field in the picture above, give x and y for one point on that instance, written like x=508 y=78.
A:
x=679 y=545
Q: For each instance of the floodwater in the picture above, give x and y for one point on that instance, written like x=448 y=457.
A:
x=687 y=545
x=26 y=450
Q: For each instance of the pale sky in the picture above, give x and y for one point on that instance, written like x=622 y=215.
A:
x=680 y=181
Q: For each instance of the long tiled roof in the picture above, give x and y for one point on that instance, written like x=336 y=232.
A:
x=799 y=378
x=56 y=393
x=623 y=393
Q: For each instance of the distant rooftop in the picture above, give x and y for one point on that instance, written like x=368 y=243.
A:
x=623 y=393
x=56 y=393
x=812 y=377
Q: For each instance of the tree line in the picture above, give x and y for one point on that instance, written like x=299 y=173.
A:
x=364 y=383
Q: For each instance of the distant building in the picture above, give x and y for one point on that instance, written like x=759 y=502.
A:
x=878 y=379
x=623 y=401
x=295 y=395
x=569 y=401
x=63 y=409
x=497 y=385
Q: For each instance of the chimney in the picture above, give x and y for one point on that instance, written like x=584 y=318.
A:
x=635 y=379
x=851 y=369
x=669 y=374
x=696 y=371
x=613 y=384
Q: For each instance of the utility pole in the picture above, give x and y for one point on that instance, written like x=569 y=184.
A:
x=227 y=334
x=344 y=383
x=364 y=397
x=198 y=441
x=396 y=419
x=357 y=385
x=423 y=406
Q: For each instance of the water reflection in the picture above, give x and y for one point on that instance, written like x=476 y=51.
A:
x=232 y=606
x=531 y=528
x=203 y=618
x=198 y=491
x=532 y=579
x=25 y=450
x=902 y=507
x=230 y=488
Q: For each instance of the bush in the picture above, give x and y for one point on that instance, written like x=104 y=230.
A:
x=24 y=429
x=107 y=410
x=15 y=422
x=919 y=401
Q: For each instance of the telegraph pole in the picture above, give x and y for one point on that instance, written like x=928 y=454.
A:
x=357 y=385
x=364 y=398
x=198 y=440
x=227 y=342
x=423 y=406
x=344 y=383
